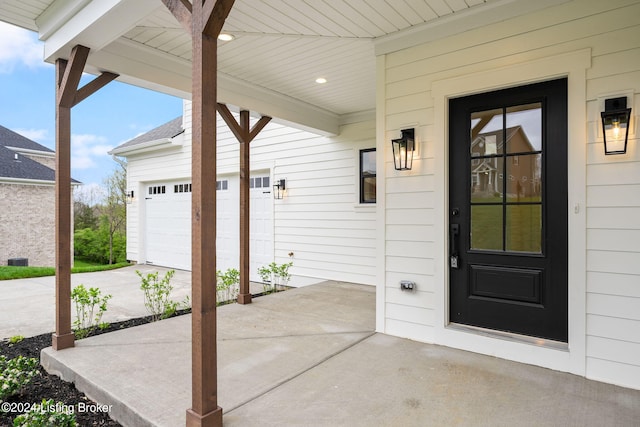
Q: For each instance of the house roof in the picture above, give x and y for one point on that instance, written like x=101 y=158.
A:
x=511 y=132
x=15 y=166
x=166 y=131
x=9 y=138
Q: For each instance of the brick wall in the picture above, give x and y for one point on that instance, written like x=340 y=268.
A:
x=27 y=223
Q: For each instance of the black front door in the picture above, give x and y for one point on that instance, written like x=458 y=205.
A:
x=508 y=210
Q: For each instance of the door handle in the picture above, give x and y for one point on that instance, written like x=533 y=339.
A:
x=454 y=232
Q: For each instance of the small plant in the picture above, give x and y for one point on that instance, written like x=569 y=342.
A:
x=281 y=272
x=15 y=339
x=47 y=414
x=265 y=273
x=275 y=275
x=227 y=288
x=90 y=306
x=16 y=373
x=157 y=293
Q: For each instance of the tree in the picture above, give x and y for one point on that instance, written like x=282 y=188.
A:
x=114 y=209
x=85 y=210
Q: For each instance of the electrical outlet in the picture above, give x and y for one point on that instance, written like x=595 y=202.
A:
x=407 y=285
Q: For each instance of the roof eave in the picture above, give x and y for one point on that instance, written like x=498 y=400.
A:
x=145 y=147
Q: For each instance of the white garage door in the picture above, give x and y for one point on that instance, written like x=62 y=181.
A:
x=168 y=224
x=260 y=226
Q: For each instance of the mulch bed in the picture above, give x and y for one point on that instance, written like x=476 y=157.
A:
x=46 y=386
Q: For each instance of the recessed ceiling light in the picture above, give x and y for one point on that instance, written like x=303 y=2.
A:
x=225 y=37
x=321 y=80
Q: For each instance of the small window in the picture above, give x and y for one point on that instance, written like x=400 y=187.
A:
x=157 y=189
x=368 y=175
x=222 y=185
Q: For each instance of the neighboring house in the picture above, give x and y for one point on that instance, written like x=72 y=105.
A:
x=321 y=220
x=523 y=165
x=27 y=200
x=547 y=274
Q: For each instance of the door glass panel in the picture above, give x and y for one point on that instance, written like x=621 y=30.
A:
x=524 y=128
x=486 y=133
x=524 y=178
x=524 y=228
x=486 y=227
x=486 y=180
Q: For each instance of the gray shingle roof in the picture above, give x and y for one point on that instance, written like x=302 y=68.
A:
x=167 y=130
x=23 y=167
x=9 y=138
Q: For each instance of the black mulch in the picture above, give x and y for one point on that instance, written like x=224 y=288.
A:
x=46 y=386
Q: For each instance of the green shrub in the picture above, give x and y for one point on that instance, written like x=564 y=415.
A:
x=274 y=275
x=93 y=244
x=157 y=294
x=90 y=306
x=16 y=373
x=227 y=288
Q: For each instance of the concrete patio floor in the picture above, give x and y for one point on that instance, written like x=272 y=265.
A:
x=310 y=357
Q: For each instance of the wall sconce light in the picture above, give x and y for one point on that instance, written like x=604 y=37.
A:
x=278 y=189
x=615 y=125
x=403 y=149
x=129 y=197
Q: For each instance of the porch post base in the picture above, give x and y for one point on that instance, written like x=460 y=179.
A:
x=244 y=298
x=60 y=342
x=211 y=419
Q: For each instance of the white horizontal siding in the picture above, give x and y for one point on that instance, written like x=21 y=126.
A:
x=612 y=33
x=319 y=220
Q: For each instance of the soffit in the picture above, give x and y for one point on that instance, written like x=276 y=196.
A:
x=281 y=46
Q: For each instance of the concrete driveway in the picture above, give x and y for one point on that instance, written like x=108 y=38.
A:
x=27 y=306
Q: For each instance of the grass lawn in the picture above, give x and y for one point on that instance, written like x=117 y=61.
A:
x=80 y=266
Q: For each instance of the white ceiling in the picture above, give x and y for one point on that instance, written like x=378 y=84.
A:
x=281 y=47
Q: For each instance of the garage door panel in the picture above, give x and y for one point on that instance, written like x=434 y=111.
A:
x=168 y=225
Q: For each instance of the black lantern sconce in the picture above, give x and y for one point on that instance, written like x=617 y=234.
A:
x=278 y=189
x=615 y=125
x=403 y=149
x=129 y=197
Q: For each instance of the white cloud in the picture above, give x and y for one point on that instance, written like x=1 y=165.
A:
x=19 y=47
x=85 y=149
x=38 y=135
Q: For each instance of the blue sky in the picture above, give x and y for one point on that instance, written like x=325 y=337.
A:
x=111 y=116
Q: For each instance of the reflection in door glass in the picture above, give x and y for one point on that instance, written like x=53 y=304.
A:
x=506 y=164
x=524 y=228
x=524 y=178
x=486 y=132
x=486 y=227
x=524 y=128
